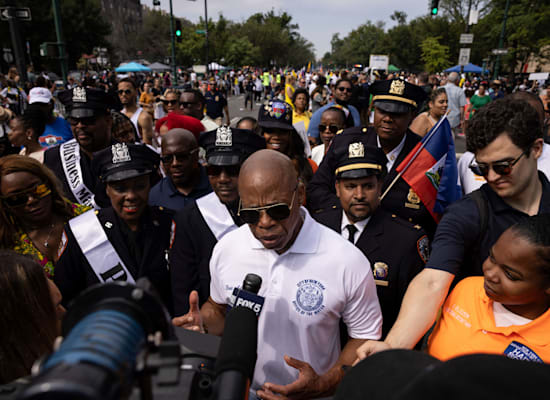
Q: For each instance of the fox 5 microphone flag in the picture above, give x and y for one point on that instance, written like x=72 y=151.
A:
x=430 y=169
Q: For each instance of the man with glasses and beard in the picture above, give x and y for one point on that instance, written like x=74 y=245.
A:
x=192 y=103
x=506 y=139
x=341 y=95
x=311 y=278
x=142 y=120
x=200 y=225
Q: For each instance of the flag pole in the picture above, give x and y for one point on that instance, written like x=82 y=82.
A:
x=430 y=135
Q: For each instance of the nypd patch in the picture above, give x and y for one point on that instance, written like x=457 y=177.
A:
x=309 y=297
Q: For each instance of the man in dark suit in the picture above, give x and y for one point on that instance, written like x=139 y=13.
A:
x=201 y=224
x=395 y=103
x=397 y=250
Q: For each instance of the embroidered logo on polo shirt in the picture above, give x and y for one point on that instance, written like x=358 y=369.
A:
x=519 y=351
x=309 y=297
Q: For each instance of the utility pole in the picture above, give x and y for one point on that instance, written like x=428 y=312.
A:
x=501 y=40
x=174 y=70
x=60 y=41
x=17 y=42
x=206 y=33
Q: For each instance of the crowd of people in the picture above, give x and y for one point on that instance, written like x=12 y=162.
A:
x=115 y=179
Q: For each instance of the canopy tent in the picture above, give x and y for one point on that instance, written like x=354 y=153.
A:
x=213 y=66
x=133 y=67
x=393 y=68
x=467 y=68
x=159 y=67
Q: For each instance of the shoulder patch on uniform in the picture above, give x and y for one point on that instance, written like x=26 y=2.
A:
x=423 y=247
x=62 y=244
x=172 y=233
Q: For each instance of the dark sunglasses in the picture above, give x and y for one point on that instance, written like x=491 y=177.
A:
x=125 y=91
x=168 y=158
x=277 y=212
x=215 y=170
x=332 y=128
x=500 y=167
x=171 y=102
x=38 y=191
x=187 y=104
x=344 y=89
x=84 y=121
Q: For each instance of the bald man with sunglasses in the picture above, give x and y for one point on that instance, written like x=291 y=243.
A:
x=506 y=139
x=312 y=278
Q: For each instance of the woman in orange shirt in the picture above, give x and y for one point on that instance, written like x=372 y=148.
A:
x=507 y=310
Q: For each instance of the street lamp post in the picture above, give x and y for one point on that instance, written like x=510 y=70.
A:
x=174 y=70
x=501 y=40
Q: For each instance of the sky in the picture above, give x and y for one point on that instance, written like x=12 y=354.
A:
x=318 y=19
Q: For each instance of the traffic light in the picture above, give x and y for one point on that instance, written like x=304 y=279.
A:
x=178 y=30
x=435 y=7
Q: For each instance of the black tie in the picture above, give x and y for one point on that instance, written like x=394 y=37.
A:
x=352 y=231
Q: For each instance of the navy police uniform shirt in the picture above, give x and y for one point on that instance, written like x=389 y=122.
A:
x=459 y=247
x=400 y=200
x=215 y=102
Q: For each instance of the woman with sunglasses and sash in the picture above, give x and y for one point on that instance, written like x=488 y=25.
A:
x=333 y=120
x=33 y=210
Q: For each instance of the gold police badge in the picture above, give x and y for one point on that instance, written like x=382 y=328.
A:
x=397 y=87
x=413 y=201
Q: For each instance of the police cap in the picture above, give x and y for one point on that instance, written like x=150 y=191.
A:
x=275 y=114
x=124 y=161
x=357 y=160
x=230 y=146
x=83 y=102
x=397 y=95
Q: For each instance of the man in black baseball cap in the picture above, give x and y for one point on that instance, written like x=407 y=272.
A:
x=200 y=225
x=132 y=236
x=395 y=104
x=359 y=176
x=90 y=120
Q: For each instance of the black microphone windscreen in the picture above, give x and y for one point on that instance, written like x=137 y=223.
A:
x=252 y=283
x=239 y=342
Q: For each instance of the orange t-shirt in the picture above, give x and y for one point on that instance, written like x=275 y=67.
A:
x=467 y=326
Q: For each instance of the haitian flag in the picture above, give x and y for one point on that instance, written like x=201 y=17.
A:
x=430 y=169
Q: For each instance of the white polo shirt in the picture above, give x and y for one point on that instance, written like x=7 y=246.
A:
x=321 y=278
x=470 y=181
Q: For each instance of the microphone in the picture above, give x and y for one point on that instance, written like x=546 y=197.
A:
x=237 y=355
x=247 y=296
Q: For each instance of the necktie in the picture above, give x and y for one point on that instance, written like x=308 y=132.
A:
x=352 y=231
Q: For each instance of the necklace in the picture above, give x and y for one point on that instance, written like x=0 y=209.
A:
x=46 y=244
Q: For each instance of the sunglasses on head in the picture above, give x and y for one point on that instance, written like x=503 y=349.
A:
x=124 y=91
x=38 y=191
x=344 y=89
x=84 y=121
x=171 y=102
x=332 y=128
x=500 y=167
x=215 y=170
x=168 y=158
x=277 y=212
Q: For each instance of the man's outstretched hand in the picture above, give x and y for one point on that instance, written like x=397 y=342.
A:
x=193 y=319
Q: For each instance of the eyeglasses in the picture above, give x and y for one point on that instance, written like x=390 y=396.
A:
x=124 y=91
x=277 y=212
x=187 y=104
x=170 y=102
x=183 y=157
x=38 y=191
x=87 y=121
x=344 y=89
x=500 y=167
x=332 y=128
x=216 y=170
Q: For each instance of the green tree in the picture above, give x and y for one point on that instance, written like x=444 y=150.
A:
x=435 y=55
x=240 y=51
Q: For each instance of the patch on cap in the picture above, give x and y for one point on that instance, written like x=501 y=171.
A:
x=278 y=110
x=120 y=153
x=224 y=136
x=79 y=95
x=397 y=87
x=356 y=150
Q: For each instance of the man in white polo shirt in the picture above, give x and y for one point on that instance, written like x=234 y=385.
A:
x=312 y=277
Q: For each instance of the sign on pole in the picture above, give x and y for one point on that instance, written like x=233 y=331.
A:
x=500 y=52
x=473 y=17
x=21 y=13
x=379 y=62
x=464 y=56
x=466 y=38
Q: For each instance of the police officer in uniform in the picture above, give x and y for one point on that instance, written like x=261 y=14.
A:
x=397 y=250
x=201 y=224
x=90 y=120
x=126 y=241
x=395 y=103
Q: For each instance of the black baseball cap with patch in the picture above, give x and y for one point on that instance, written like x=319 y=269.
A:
x=275 y=114
x=124 y=161
x=230 y=146
x=358 y=160
x=84 y=102
x=397 y=95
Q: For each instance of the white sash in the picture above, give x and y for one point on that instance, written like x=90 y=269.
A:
x=70 y=160
x=216 y=215
x=97 y=249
